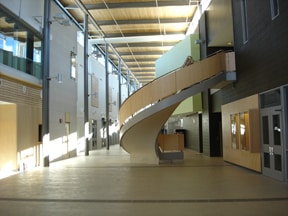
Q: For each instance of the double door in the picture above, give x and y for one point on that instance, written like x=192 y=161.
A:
x=272 y=142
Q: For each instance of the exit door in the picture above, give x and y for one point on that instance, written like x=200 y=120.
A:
x=272 y=142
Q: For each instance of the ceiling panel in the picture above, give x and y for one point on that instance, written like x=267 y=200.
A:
x=137 y=29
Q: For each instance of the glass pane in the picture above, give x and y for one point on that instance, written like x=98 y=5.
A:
x=277 y=162
x=265 y=132
x=276 y=130
x=244 y=135
x=234 y=119
x=20 y=48
x=244 y=21
x=267 y=160
x=270 y=99
x=274 y=8
x=73 y=72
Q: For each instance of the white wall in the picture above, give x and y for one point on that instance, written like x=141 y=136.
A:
x=95 y=70
x=96 y=113
x=68 y=97
x=63 y=96
x=80 y=97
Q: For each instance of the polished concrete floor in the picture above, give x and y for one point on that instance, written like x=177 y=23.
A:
x=106 y=183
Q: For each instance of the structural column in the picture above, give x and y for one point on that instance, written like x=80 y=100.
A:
x=128 y=82
x=45 y=82
x=86 y=108
x=107 y=97
x=120 y=91
x=119 y=83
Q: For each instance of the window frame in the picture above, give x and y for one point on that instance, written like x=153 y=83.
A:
x=244 y=21
x=73 y=65
x=275 y=11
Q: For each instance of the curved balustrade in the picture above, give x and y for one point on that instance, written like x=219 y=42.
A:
x=174 y=82
x=139 y=126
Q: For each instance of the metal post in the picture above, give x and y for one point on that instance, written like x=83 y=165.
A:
x=45 y=84
x=119 y=82
x=120 y=91
x=128 y=82
x=86 y=108
x=107 y=97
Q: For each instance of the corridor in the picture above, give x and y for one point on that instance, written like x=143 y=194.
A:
x=106 y=183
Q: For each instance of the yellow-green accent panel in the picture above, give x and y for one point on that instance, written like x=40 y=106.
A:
x=190 y=105
x=175 y=59
x=177 y=55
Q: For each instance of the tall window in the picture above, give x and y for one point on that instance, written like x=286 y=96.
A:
x=244 y=21
x=274 y=8
x=73 y=72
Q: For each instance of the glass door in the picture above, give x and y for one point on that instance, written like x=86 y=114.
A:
x=272 y=142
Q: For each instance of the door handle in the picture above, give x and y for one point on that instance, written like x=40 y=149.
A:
x=277 y=129
x=271 y=151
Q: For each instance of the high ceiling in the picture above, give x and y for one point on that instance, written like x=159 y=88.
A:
x=140 y=31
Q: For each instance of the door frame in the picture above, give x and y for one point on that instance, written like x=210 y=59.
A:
x=281 y=108
x=270 y=149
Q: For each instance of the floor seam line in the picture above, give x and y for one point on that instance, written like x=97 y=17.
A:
x=146 y=201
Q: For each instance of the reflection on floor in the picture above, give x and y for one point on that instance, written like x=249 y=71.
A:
x=107 y=183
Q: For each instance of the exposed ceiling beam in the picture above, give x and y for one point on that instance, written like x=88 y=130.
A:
x=141 y=60
x=144 y=81
x=139 y=39
x=137 y=51
x=145 y=77
x=119 y=5
x=143 y=71
x=144 y=21
x=135 y=34
x=142 y=53
x=81 y=6
x=142 y=65
x=145 y=44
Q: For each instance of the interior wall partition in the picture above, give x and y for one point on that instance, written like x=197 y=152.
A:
x=261 y=64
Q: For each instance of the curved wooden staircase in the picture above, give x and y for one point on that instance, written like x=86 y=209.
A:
x=144 y=113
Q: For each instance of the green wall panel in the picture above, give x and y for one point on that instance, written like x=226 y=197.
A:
x=173 y=60
x=190 y=105
x=177 y=55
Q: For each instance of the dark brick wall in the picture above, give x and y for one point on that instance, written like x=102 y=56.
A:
x=215 y=134
x=262 y=63
x=206 y=123
x=193 y=135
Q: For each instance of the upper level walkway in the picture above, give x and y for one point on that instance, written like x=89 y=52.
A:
x=107 y=183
